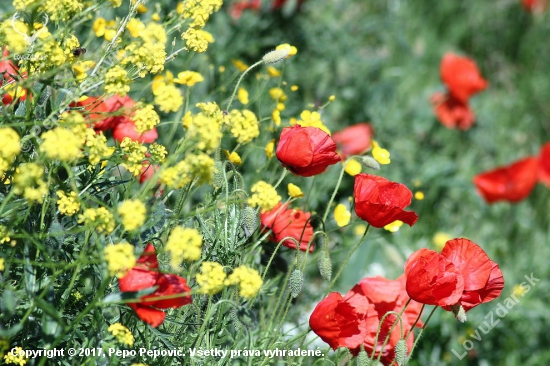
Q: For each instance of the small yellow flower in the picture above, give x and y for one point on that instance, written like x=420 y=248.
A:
x=294 y=191
x=394 y=226
x=81 y=68
x=242 y=96
x=133 y=214
x=440 y=239
x=61 y=144
x=221 y=69
x=15 y=356
x=120 y=258
x=189 y=78
x=273 y=72
x=332 y=98
x=341 y=215
x=270 y=148
x=145 y=118
x=263 y=195
x=359 y=230
x=419 y=195
x=241 y=66
x=276 y=117
x=233 y=157
x=382 y=156
x=312 y=119
x=212 y=278
x=353 y=167
x=248 y=279
x=155 y=17
x=183 y=244
x=98 y=218
x=68 y=204
x=291 y=49
x=519 y=290
x=277 y=94
x=28 y=182
x=294 y=88
x=122 y=334
x=2 y=264
x=4 y=234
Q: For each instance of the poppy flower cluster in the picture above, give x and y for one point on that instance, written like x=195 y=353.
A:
x=288 y=223
x=306 y=151
x=115 y=114
x=461 y=276
x=10 y=74
x=463 y=79
x=514 y=182
x=353 y=320
x=380 y=202
x=354 y=140
x=145 y=274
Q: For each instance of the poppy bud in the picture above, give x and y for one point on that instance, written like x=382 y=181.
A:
x=459 y=312
x=363 y=358
x=296 y=283
x=401 y=352
x=276 y=56
x=370 y=162
x=325 y=264
x=249 y=220
x=235 y=318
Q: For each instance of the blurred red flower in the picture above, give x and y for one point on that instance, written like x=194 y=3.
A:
x=236 y=8
x=128 y=129
x=461 y=76
x=451 y=112
x=461 y=275
x=96 y=112
x=306 y=151
x=10 y=74
x=535 y=6
x=508 y=183
x=284 y=222
x=544 y=164
x=354 y=140
x=145 y=274
x=277 y=4
x=353 y=320
x=380 y=202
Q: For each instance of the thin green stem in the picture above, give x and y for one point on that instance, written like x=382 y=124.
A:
x=419 y=334
x=239 y=83
x=335 y=190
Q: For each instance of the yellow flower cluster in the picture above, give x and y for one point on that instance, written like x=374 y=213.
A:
x=145 y=118
x=4 y=234
x=158 y=152
x=105 y=29
x=120 y=258
x=75 y=122
x=122 y=334
x=134 y=154
x=98 y=218
x=382 y=156
x=263 y=195
x=244 y=125
x=198 y=11
x=11 y=33
x=10 y=147
x=248 y=280
x=205 y=127
x=61 y=9
x=16 y=356
x=195 y=166
x=117 y=81
x=311 y=119
x=168 y=97
x=149 y=54
x=183 y=244
x=133 y=213
x=211 y=279
x=28 y=182
x=61 y=144
x=68 y=204
x=96 y=145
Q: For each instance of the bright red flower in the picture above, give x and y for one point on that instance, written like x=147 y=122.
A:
x=354 y=140
x=353 y=320
x=284 y=222
x=509 y=183
x=121 y=108
x=128 y=129
x=535 y=6
x=144 y=275
x=544 y=164
x=306 y=151
x=9 y=73
x=461 y=275
x=96 y=112
x=461 y=76
x=380 y=202
x=451 y=112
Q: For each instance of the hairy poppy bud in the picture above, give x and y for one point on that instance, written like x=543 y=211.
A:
x=276 y=56
x=363 y=358
x=370 y=162
x=296 y=283
x=325 y=266
x=401 y=352
x=249 y=220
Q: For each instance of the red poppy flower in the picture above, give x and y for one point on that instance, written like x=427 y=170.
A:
x=354 y=140
x=461 y=76
x=128 y=129
x=10 y=74
x=236 y=9
x=461 y=275
x=284 y=222
x=353 y=320
x=380 y=202
x=451 y=112
x=144 y=275
x=122 y=109
x=96 y=112
x=535 y=6
x=306 y=151
x=544 y=164
x=509 y=183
